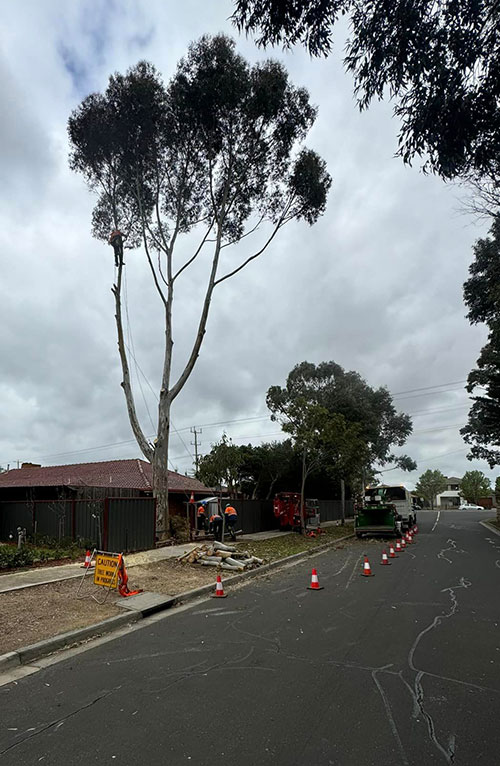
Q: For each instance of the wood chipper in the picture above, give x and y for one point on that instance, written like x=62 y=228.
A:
x=376 y=516
x=386 y=510
x=286 y=507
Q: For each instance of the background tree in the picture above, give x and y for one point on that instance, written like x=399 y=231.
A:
x=474 y=486
x=327 y=384
x=217 y=153
x=439 y=63
x=430 y=484
x=482 y=297
x=221 y=467
x=263 y=466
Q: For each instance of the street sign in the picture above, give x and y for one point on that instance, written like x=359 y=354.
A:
x=106 y=569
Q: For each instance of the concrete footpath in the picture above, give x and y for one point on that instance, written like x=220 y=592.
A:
x=44 y=575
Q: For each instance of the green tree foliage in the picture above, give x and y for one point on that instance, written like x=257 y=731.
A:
x=222 y=465
x=263 y=467
x=438 y=61
x=430 y=484
x=475 y=485
x=327 y=384
x=338 y=424
x=482 y=297
x=217 y=155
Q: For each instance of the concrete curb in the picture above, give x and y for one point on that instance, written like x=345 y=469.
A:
x=27 y=654
x=488 y=526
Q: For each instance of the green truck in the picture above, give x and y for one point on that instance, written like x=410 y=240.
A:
x=386 y=510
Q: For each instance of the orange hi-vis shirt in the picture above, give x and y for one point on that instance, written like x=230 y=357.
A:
x=215 y=516
x=201 y=510
x=230 y=511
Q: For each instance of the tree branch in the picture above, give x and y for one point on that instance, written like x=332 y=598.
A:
x=252 y=257
x=208 y=296
x=198 y=251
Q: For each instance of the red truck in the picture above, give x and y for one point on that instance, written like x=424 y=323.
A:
x=286 y=506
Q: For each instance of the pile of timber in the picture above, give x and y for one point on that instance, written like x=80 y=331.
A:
x=222 y=556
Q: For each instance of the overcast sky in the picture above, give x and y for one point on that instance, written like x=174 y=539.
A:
x=375 y=285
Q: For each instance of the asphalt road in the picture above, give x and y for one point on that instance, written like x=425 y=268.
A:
x=402 y=668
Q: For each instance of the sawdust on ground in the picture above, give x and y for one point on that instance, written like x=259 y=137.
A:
x=32 y=614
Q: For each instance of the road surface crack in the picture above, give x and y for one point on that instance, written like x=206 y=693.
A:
x=59 y=721
x=418 y=690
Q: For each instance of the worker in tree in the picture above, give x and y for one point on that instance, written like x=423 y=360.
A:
x=231 y=520
x=116 y=241
x=216 y=525
x=202 y=519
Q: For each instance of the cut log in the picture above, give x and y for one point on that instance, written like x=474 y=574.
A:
x=211 y=563
x=223 y=547
x=187 y=554
x=234 y=563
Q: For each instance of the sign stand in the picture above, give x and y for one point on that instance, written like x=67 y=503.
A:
x=107 y=566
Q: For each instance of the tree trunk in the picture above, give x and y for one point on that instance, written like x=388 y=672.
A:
x=342 y=501
x=302 y=494
x=160 y=468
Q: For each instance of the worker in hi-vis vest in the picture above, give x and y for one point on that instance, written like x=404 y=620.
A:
x=216 y=525
x=202 y=518
x=231 y=520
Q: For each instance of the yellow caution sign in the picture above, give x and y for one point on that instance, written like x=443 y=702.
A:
x=106 y=569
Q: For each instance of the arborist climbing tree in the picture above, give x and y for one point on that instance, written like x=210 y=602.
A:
x=116 y=241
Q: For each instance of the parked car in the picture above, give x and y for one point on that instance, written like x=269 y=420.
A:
x=470 y=507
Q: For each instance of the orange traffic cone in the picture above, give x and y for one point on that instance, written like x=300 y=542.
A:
x=408 y=538
x=385 y=561
x=398 y=546
x=314 y=582
x=367 y=572
x=219 y=590
x=392 y=554
x=87 y=563
x=403 y=543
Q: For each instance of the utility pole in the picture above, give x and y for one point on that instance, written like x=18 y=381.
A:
x=195 y=445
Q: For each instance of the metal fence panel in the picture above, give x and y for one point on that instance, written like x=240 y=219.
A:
x=87 y=524
x=255 y=515
x=331 y=510
x=53 y=519
x=131 y=524
x=14 y=515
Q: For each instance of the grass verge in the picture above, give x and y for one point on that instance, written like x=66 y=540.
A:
x=287 y=545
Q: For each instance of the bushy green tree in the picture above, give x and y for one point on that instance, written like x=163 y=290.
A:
x=222 y=465
x=430 y=484
x=437 y=61
x=380 y=426
x=482 y=297
x=475 y=485
x=216 y=154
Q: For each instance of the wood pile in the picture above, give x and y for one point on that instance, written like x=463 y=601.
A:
x=222 y=556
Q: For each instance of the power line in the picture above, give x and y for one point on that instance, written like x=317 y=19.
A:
x=442 y=428
x=429 y=393
x=442 y=409
x=427 y=388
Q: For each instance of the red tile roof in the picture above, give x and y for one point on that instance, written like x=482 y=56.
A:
x=117 y=474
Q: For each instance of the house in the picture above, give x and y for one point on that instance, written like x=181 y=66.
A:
x=451 y=497
x=110 y=502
